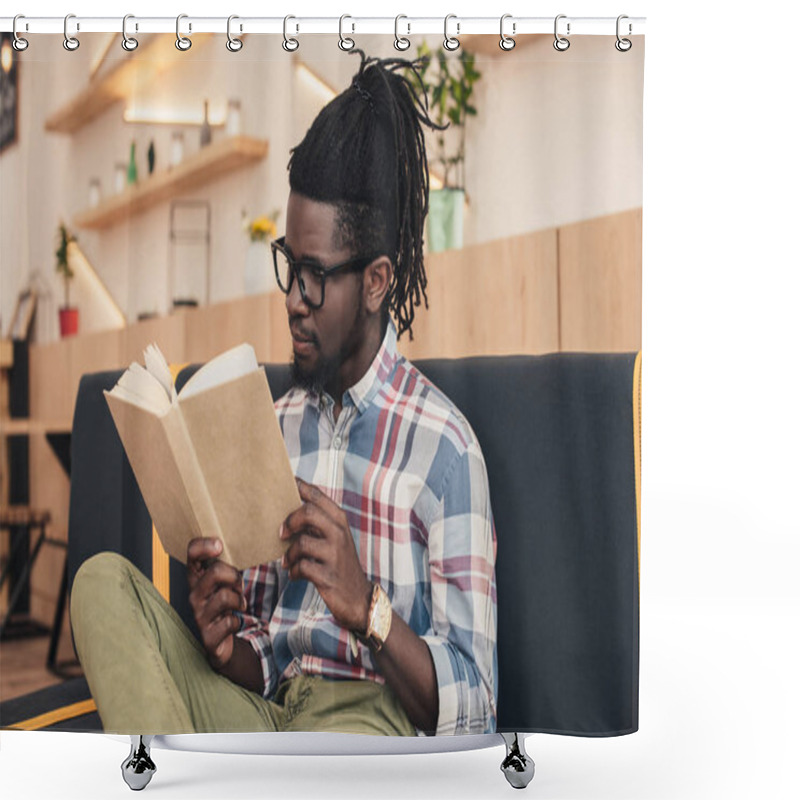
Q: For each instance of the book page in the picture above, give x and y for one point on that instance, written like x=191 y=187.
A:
x=142 y=389
x=157 y=366
x=157 y=457
x=225 y=367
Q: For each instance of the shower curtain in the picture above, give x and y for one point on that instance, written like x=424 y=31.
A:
x=145 y=197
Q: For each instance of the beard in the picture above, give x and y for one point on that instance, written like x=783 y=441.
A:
x=318 y=377
x=325 y=373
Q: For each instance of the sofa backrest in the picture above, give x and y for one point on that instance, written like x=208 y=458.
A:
x=560 y=437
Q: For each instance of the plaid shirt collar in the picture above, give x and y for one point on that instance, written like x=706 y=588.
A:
x=363 y=392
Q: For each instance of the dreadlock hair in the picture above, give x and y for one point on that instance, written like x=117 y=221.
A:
x=365 y=154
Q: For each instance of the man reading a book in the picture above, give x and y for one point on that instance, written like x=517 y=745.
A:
x=381 y=617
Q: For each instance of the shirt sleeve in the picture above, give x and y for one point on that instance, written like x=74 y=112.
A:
x=261 y=593
x=462 y=549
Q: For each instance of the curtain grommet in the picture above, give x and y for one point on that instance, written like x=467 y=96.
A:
x=289 y=44
x=345 y=42
x=560 y=43
x=623 y=45
x=233 y=44
x=401 y=43
x=71 y=43
x=183 y=43
x=18 y=43
x=507 y=42
x=128 y=43
x=451 y=43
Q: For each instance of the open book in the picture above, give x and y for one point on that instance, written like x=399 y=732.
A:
x=210 y=460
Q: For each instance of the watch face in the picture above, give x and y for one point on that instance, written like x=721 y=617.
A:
x=381 y=620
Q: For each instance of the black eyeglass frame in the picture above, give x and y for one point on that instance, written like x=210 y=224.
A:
x=323 y=273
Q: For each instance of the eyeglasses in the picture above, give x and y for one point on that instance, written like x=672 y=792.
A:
x=311 y=276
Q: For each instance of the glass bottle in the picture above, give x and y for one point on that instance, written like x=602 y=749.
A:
x=205 y=129
x=133 y=173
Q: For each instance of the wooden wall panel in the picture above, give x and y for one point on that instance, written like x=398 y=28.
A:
x=49 y=366
x=169 y=333
x=573 y=288
x=257 y=313
x=280 y=340
x=600 y=274
x=498 y=298
x=464 y=276
x=428 y=322
x=214 y=329
x=92 y=353
x=537 y=257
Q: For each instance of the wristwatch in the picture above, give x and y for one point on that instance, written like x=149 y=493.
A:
x=379 y=618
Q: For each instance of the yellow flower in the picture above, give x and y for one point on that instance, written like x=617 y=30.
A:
x=262 y=229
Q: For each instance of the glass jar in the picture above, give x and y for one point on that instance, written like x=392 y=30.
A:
x=120 y=176
x=94 y=192
x=233 y=122
x=176 y=151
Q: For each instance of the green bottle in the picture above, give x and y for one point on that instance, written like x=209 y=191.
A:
x=133 y=173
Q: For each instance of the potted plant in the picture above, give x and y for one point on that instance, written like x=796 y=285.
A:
x=259 y=274
x=449 y=84
x=67 y=316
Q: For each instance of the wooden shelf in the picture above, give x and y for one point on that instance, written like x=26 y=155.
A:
x=197 y=169
x=24 y=426
x=126 y=74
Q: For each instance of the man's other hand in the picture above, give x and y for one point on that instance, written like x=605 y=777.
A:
x=215 y=592
x=321 y=550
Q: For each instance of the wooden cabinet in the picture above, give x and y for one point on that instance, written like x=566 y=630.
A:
x=576 y=287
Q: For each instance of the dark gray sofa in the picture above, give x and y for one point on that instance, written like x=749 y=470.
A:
x=559 y=433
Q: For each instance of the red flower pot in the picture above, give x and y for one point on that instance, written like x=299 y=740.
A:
x=68 y=320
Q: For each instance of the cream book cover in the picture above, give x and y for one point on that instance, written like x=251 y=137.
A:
x=209 y=460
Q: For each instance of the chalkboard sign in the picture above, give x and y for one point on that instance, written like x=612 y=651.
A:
x=9 y=92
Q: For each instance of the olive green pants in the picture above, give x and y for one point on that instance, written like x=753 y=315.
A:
x=148 y=674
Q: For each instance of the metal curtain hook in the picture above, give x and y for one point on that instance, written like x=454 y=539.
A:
x=506 y=42
x=70 y=42
x=233 y=44
x=451 y=43
x=182 y=42
x=19 y=43
x=623 y=45
x=128 y=42
x=289 y=44
x=400 y=42
x=345 y=42
x=561 y=44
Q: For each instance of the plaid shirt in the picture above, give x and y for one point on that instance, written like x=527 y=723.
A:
x=406 y=468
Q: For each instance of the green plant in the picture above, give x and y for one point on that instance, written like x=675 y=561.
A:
x=63 y=239
x=449 y=83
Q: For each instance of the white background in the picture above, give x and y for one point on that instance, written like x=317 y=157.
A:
x=719 y=607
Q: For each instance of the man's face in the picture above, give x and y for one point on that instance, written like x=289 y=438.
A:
x=324 y=340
